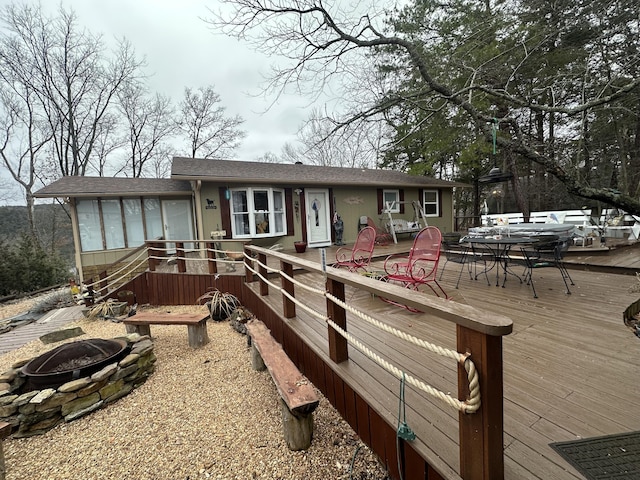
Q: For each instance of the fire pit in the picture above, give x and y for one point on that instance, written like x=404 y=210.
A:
x=72 y=381
x=72 y=361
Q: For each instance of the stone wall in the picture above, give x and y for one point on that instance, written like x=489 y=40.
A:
x=35 y=412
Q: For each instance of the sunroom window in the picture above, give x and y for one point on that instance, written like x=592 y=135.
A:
x=257 y=212
x=103 y=227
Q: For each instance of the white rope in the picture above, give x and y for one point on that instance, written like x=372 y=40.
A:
x=292 y=280
x=144 y=251
x=288 y=295
x=472 y=374
x=471 y=405
x=106 y=287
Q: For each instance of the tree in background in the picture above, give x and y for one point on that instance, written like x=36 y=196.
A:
x=150 y=124
x=68 y=70
x=321 y=142
x=203 y=122
x=24 y=267
x=540 y=84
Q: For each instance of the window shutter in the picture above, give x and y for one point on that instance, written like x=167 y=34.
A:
x=421 y=197
x=439 y=202
x=288 y=206
x=380 y=201
x=225 y=212
x=401 y=200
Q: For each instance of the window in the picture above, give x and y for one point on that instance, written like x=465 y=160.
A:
x=392 y=198
x=153 y=218
x=88 y=212
x=430 y=203
x=133 y=221
x=112 y=223
x=257 y=212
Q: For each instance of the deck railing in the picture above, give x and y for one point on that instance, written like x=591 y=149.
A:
x=478 y=350
x=212 y=252
x=479 y=335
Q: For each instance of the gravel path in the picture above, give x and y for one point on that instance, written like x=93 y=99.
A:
x=203 y=414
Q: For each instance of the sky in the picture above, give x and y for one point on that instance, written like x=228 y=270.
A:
x=181 y=51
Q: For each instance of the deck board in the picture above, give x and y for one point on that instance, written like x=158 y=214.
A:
x=570 y=365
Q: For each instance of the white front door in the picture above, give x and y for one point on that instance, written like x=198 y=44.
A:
x=178 y=221
x=318 y=217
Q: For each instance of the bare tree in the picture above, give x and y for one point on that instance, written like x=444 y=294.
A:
x=22 y=137
x=150 y=124
x=203 y=122
x=323 y=42
x=109 y=140
x=354 y=146
x=72 y=76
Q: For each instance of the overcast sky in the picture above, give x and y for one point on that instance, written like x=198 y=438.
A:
x=181 y=50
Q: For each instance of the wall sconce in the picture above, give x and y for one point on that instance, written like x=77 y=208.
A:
x=298 y=191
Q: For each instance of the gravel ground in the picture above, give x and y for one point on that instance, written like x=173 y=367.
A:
x=203 y=414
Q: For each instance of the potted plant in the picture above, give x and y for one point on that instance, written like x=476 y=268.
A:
x=220 y=304
x=300 y=246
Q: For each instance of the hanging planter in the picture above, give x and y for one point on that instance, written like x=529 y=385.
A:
x=220 y=304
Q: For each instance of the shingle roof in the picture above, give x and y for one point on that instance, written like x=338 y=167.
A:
x=78 y=186
x=235 y=171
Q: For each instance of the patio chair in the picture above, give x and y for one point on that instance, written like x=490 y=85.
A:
x=421 y=266
x=462 y=254
x=358 y=257
x=545 y=253
x=382 y=236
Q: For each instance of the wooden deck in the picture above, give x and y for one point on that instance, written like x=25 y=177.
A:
x=570 y=365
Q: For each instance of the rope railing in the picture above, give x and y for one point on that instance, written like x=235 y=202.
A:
x=124 y=267
x=115 y=282
x=470 y=405
x=225 y=259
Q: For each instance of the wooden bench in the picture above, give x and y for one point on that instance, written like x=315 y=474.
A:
x=196 y=325
x=298 y=397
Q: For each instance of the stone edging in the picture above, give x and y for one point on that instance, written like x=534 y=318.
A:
x=35 y=412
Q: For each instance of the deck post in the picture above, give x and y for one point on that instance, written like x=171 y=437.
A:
x=288 y=306
x=264 y=286
x=338 y=351
x=211 y=258
x=248 y=260
x=182 y=264
x=481 y=433
x=151 y=252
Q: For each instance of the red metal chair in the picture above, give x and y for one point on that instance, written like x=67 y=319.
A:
x=359 y=256
x=421 y=266
x=382 y=236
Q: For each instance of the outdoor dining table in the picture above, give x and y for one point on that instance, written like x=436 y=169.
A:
x=498 y=247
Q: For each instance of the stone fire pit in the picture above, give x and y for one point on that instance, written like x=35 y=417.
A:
x=74 y=387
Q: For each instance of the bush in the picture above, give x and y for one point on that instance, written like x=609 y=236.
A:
x=25 y=267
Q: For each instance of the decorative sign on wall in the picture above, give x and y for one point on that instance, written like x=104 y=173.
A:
x=354 y=200
x=211 y=204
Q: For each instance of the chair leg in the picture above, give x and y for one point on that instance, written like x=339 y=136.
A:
x=533 y=287
x=443 y=267
x=565 y=275
x=434 y=290
x=460 y=274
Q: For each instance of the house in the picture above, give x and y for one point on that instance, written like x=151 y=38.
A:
x=265 y=203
